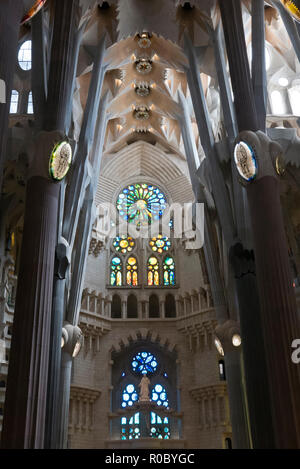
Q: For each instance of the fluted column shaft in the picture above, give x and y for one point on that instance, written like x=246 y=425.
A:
x=277 y=300
x=25 y=406
x=278 y=307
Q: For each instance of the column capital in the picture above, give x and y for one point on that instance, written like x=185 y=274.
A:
x=39 y=152
x=229 y=335
x=257 y=156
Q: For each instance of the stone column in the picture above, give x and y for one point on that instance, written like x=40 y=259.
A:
x=11 y=12
x=238 y=410
x=61 y=267
x=25 y=407
x=162 y=309
x=124 y=309
x=279 y=319
x=277 y=300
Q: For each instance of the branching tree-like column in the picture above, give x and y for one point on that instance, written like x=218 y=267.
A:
x=25 y=407
x=277 y=299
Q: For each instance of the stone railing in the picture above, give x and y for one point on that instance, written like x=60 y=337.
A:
x=213 y=406
x=81 y=412
x=198 y=328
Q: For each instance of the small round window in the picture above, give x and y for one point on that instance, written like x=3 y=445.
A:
x=24 y=56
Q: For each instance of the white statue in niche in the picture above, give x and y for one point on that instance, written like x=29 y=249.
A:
x=144 y=389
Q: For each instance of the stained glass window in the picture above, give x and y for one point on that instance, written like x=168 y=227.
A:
x=153 y=271
x=116 y=272
x=132 y=272
x=159 y=395
x=130 y=429
x=160 y=244
x=24 y=56
x=144 y=363
x=123 y=244
x=159 y=427
x=129 y=396
x=30 y=104
x=169 y=271
x=141 y=204
x=14 y=100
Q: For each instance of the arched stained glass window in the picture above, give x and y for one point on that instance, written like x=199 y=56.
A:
x=144 y=363
x=123 y=244
x=129 y=396
x=116 y=272
x=141 y=204
x=160 y=244
x=153 y=271
x=169 y=271
x=131 y=272
x=130 y=427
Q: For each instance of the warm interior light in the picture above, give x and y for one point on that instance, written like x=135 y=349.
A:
x=219 y=346
x=283 y=81
x=76 y=349
x=236 y=340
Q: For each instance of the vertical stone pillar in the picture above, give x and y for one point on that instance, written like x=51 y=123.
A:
x=162 y=309
x=124 y=309
x=25 y=407
x=11 y=12
x=147 y=309
x=279 y=322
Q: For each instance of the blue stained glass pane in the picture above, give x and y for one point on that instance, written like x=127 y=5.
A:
x=144 y=363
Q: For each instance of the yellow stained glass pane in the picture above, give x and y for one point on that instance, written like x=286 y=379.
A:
x=150 y=278
x=131 y=261
x=119 y=278
x=129 y=278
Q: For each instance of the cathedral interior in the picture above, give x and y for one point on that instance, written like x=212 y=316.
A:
x=149 y=224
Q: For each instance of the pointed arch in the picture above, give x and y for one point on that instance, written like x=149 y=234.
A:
x=132 y=307
x=116 y=307
x=154 y=311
